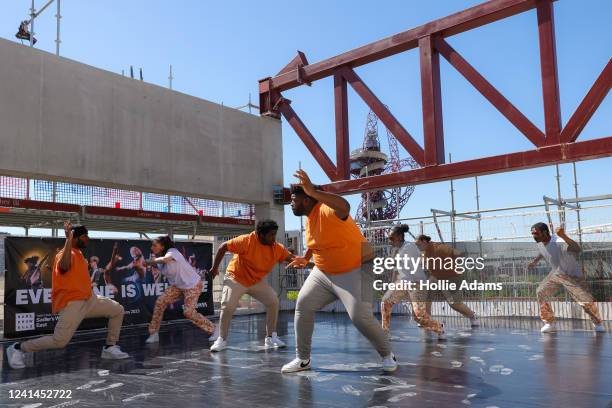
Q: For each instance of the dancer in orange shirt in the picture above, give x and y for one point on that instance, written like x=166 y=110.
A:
x=254 y=256
x=73 y=298
x=338 y=249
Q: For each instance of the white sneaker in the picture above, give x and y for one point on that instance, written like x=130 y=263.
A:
x=219 y=344
x=389 y=363
x=548 y=328
x=113 y=353
x=215 y=334
x=153 y=338
x=297 y=364
x=599 y=328
x=15 y=357
x=474 y=322
x=274 y=341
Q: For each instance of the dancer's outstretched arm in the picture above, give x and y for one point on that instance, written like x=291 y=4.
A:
x=572 y=246
x=341 y=207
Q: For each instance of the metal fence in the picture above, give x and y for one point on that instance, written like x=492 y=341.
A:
x=506 y=235
x=88 y=195
x=510 y=247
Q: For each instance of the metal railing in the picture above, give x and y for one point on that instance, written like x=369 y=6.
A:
x=89 y=195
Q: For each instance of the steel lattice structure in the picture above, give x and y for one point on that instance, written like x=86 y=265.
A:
x=554 y=144
x=368 y=161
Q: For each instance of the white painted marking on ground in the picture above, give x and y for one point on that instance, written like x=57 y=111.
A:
x=536 y=357
x=103 y=373
x=214 y=378
x=478 y=360
x=66 y=404
x=488 y=349
x=456 y=364
x=137 y=396
x=110 y=387
x=349 y=389
x=496 y=368
x=402 y=396
x=506 y=371
x=394 y=380
x=325 y=377
x=436 y=354
x=394 y=387
x=168 y=371
x=307 y=374
x=350 y=367
x=90 y=384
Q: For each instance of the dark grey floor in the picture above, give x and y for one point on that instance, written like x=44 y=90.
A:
x=505 y=363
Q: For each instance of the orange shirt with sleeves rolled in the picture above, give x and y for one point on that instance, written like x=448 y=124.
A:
x=336 y=244
x=253 y=260
x=73 y=284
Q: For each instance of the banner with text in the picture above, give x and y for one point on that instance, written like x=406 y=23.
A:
x=29 y=265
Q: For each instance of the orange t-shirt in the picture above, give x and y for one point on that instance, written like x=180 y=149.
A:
x=438 y=255
x=253 y=260
x=336 y=244
x=74 y=284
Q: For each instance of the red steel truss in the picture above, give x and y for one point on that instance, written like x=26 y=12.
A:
x=556 y=144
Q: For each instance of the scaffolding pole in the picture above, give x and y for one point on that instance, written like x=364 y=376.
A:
x=58 y=17
x=577 y=204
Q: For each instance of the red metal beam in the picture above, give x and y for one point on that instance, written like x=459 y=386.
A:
x=544 y=156
x=384 y=115
x=433 y=131
x=429 y=39
x=503 y=105
x=465 y=20
x=342 y=128
x=298 y=61
x=39 y=205
x=589 y=105
x=311 y=143
x=548 y=65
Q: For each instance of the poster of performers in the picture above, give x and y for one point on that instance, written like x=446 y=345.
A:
x=116 y=270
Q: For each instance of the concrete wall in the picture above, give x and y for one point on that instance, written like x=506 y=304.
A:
x=63 y=120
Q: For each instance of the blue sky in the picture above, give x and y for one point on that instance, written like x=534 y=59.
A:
x=220 y=49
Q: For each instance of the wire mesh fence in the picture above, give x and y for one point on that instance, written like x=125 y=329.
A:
x=88 y=195
x=505 y=236
x=509 y=248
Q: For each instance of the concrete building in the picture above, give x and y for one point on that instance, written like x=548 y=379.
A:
x=66 y=121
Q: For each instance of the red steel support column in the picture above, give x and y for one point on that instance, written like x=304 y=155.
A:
x=342 y=128
x=548 y=64
x=432 y=102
